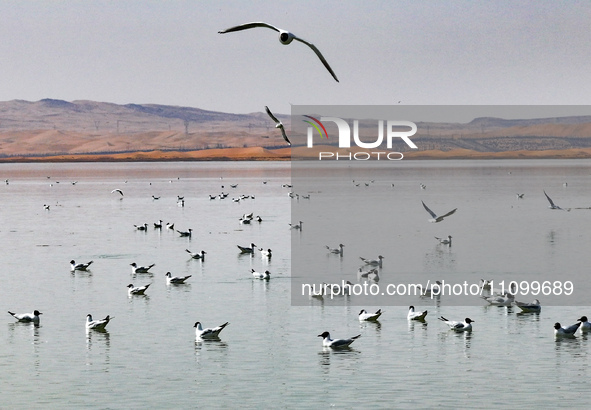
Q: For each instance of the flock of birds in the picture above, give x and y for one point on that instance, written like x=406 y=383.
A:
x=285 y=38
x=375 y=265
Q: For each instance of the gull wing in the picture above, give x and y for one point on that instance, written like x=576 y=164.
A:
x=572 y=329
x=549 y=200
x=246 y=26
x=447 y=214
x=271 y=115
x=320 y=56
x=430 y=211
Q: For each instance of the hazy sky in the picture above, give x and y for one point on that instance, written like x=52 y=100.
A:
x=417 y=52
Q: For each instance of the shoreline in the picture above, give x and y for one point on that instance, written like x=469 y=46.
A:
x=284 y=154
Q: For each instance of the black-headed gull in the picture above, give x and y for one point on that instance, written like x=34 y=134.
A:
x=176 y=280
x=208 y=333
x=285 y=37
x=136 y=290
x=585 y=325
x=197 y=255
x=370 y=317
x=433 y=289
x=140 y=269
x=412 y=315
x=158 y=225
x=444 y=241
x=186 y=233
x=338 y=251
x=554 y=206
x=244 y=249
x=97 y=324
x=559 y=331
x=261 y=275
x=336 y=343
x=296 y=226
x=278 y=124
x=436 y=218
x=373 y=262
x=169 y=225
x=79 y=266
x=27 y=317
x=532 y=307
x=464 y=326
x=266 y=253
x=143 y=227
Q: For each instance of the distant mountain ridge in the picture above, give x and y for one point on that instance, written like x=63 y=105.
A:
x=57 y=127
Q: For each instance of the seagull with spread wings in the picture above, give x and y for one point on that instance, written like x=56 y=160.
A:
x=285 y=37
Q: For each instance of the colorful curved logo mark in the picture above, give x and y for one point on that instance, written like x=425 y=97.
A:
x=316 y=126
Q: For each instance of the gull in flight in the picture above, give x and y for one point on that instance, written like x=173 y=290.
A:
x=27 y=317
x=435 y=217
x=278 y=124
x=554 y=206
x=465 y=326
x=208 y=333
x=371 y=317
x=559 y=331
x=97 y=324
x=117 y=190
x=285 y=37
x=336 y=343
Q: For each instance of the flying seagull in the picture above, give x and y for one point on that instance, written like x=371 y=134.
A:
x=278 y=124
x=552 y=205
x=285 y=37
x=435 y=217
x=117 y=190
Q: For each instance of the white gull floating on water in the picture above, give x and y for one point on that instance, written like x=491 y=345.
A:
x=140 y=269
x=176 y=280
x=261 y=275
x=559 y=331
x=373 y=262
x=412 y=315
x=26 y=317
x=80 y=266
x=532 y=307
x=208 y=333
x=196 y=255
x=336 y=343
x=136 y=290
x=585 y=325
x=97 y=324
x=444 y=241
x=370 y=317
x=465 y=326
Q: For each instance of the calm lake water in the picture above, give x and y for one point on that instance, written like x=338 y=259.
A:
x=269 y=355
